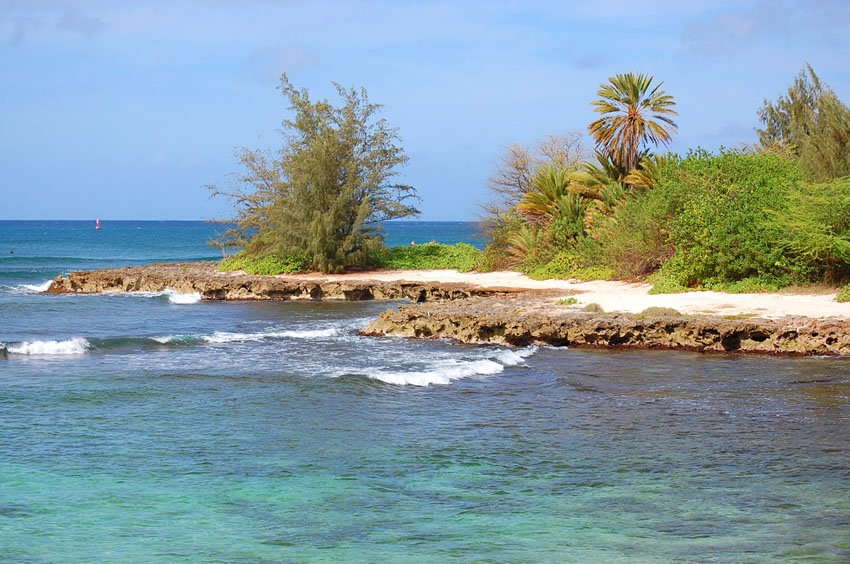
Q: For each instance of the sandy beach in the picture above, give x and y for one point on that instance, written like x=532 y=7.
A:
x=615 y=296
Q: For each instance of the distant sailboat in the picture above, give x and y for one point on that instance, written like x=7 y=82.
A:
x=97 y=225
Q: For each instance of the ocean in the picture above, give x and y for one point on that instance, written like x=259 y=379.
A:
x=154 y=427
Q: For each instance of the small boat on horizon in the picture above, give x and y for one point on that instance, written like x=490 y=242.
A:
x=97 y=224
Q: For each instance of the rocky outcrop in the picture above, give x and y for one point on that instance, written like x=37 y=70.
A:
x=524 y=320
x=474 y=314
x=202 y=277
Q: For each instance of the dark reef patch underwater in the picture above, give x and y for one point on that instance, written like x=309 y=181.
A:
x=156 y=427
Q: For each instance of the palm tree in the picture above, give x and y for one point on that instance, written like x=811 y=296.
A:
x=549 y=184
x=634 y=112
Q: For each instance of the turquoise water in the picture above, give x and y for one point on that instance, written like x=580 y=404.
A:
x=134 y=428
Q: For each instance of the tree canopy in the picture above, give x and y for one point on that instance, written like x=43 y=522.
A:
x=322 y=195
x=810 y=123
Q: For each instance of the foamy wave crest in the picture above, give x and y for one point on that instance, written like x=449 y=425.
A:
x=182 y=299
x=446 y=371
x=305 y=334
x=229 y=337
x=26 y=288
x=177 y=339
x=77 y=345
x=172 y=296
x=37 y=287
x=513 y=358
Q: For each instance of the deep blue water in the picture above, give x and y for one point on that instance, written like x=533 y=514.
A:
x=140 y=428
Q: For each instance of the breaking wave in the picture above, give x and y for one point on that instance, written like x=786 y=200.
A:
x=445 y=371
x=182 y=299
x=228 y=337
x=77 y=345
x=37 y=288
x=26 y=288
x=80 y=345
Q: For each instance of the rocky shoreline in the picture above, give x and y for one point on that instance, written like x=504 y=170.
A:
x=203 y=278
x=471 y=313
x=525 y=320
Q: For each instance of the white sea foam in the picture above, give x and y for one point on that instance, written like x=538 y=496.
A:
x=443 y=372
x=77 y=345
x=228 y=337
x=231 y=337
x=37 y=288
x=166 y=339
x=183 y=299
x=173 y=296
x=513 y=358
x=305 y=334
x=26 y=288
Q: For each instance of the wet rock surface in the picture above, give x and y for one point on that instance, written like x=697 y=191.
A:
x=202 y=277
x=522 y=320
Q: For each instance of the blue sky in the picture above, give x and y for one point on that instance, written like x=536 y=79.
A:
x=125 y=110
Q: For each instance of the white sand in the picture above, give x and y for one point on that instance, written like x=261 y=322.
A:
x=623 y=296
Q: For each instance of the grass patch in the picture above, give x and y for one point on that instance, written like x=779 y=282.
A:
x=844 y=294
x=746 y=315
x=566 y=301
x=656 y=311
x=266 y=266
x=429 y=256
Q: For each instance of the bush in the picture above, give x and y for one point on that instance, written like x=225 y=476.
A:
x=721 y=230
x=815 y=228
x=268 y=265
x=593 y=308
x=844 y=294
x=497 y=255
x=429 y=256
x=751 y=285
x=566 y=265
x=635 y=241
x=665 y=282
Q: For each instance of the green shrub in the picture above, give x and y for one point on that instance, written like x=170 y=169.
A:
x=666 y=282
x=844 y=294
x=635 y=240
x=429 y=256
x=566 y=265
x=751 y=285
x=267 y=265
x=566 y=301
x=815 y=229
x=722 y=232
x=497 y=255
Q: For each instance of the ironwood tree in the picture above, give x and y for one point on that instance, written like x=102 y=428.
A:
x=322 y=196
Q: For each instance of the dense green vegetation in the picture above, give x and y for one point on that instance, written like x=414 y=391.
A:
x=811 y=124
x=266 y=265
x=322 y=195
x=429 y=256
x=738 y=220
